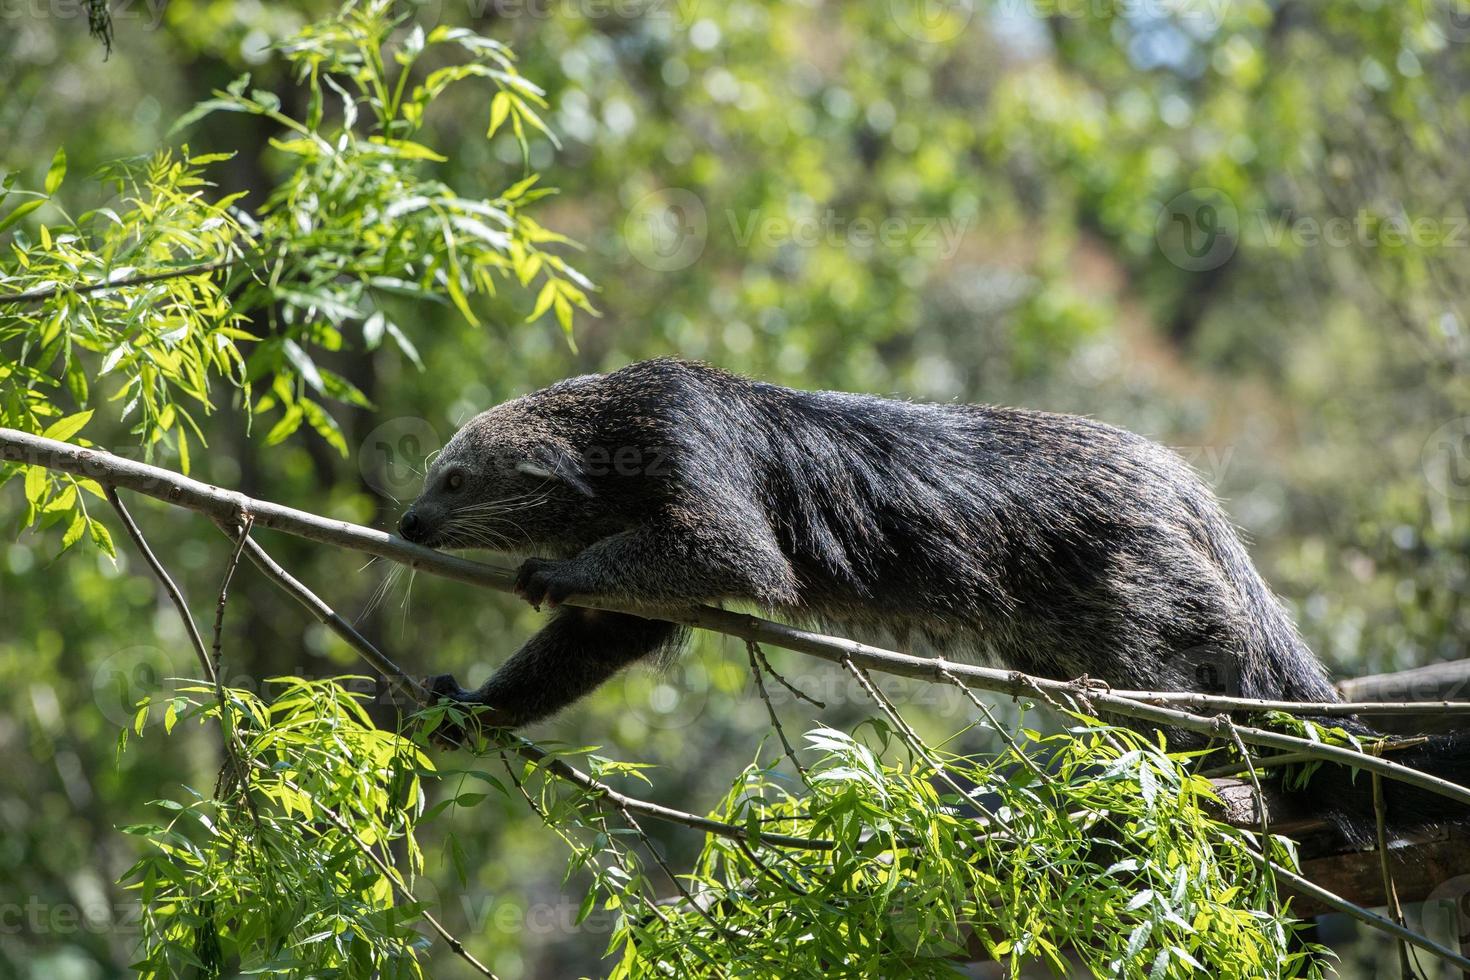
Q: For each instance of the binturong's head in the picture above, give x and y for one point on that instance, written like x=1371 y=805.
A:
x=510 y=480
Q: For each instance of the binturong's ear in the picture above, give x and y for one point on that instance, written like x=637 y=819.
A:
x=554 y=462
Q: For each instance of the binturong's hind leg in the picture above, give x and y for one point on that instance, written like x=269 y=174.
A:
x=574 y=653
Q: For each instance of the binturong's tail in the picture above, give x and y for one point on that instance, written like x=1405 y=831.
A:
x=1345 y=797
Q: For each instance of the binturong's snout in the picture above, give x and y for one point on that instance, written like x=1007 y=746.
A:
x=421 y=523
x=412 y=528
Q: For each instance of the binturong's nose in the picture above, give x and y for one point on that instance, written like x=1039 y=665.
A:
x=412 y=527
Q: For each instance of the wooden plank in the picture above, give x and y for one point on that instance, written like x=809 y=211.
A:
x=1447 y=681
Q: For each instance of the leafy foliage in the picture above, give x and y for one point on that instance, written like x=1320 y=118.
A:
x=289 y=870
x=178 y=285
x=1048 y=143
x=1094 y=842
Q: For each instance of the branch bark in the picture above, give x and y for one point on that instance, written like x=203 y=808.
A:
x=41 y=295
x=231 y=510
x=225 y=506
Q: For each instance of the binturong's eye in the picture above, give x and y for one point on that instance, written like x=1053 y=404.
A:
x=454 y=481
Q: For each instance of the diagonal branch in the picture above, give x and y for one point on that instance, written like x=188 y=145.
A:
x=389 y=872
x=50 y=292
x=228 y=508
x=167 y=581
x=226 y=505
x=420 y=696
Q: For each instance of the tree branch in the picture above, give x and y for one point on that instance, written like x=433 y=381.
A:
x=161 y=573
x=420 y=696
x=41 y=295
x=226 y=505
x=230 y=510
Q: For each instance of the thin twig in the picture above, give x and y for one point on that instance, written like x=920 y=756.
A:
x=1216 y=702
x=227 y=716
x=796 y=692
x=915 y=743
x=995 y=724
x=674 y=878
x=1262 y=813
x=418 y=695
x=752 y=648
x=601 y=817
x=1285 y=759
x=224 y=598
x=394 y=674
x=1390 y=893
x=41 y=295
x=163 y=577
x=387 y=869
x=1332 y=900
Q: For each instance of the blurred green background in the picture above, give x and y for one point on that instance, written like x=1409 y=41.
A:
x=1238 y=227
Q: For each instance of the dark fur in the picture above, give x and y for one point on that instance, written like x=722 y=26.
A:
x=1050 y=544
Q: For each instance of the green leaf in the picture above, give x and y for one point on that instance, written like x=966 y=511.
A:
x=57 y=171
x=74 y=532
x=325 y=425
x=68 y=427
x=285 y=425
x=21 y=210
x=37 y=481
x=101 y=537
x=499 y=110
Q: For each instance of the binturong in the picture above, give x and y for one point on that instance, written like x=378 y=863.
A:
x=1049 y=544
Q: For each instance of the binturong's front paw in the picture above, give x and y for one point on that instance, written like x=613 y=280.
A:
x=548 y=580
x=466 y=721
